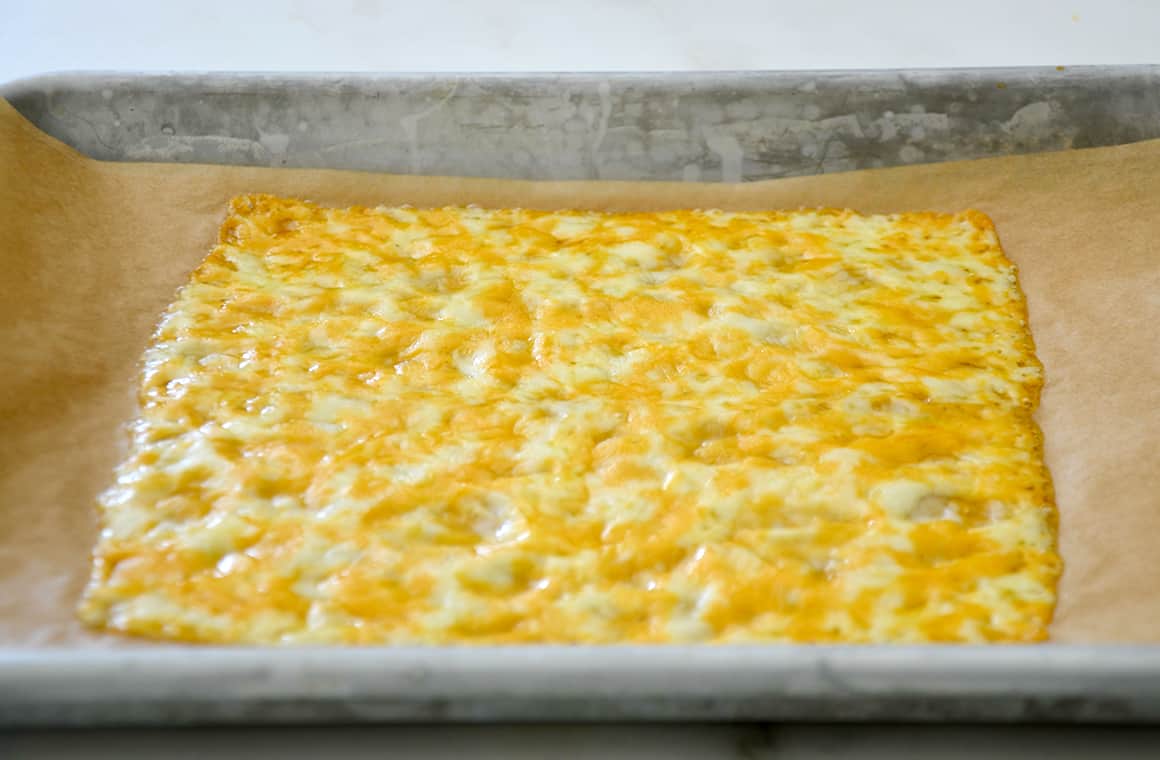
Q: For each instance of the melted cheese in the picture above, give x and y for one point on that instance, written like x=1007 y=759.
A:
x=467 y=425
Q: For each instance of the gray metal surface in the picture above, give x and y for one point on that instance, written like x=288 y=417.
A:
x=1013 y=683
x=718 y=126
x=729 y=126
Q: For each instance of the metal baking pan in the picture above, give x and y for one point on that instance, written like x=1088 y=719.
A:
x=719 y=126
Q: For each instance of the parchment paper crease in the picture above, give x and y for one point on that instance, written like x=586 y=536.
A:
x=91 y=253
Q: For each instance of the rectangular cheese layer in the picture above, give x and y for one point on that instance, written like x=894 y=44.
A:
x=451 y=425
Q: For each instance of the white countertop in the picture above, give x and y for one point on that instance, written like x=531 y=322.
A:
x=609 y=35
x=588 y=35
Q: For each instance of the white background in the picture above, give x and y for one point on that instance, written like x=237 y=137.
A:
x=504 y=35
x=513 y=35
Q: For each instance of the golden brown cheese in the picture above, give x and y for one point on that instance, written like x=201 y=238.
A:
x=463 y=425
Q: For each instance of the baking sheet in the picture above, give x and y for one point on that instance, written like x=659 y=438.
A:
x=93 y=252
x=722 y=125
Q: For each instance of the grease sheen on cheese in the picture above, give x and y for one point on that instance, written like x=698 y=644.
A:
x=463 y=425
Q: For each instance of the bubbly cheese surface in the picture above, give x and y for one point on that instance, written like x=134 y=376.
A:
x=462 y=425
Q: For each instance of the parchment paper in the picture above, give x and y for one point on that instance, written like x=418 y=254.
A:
x=91 y=253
